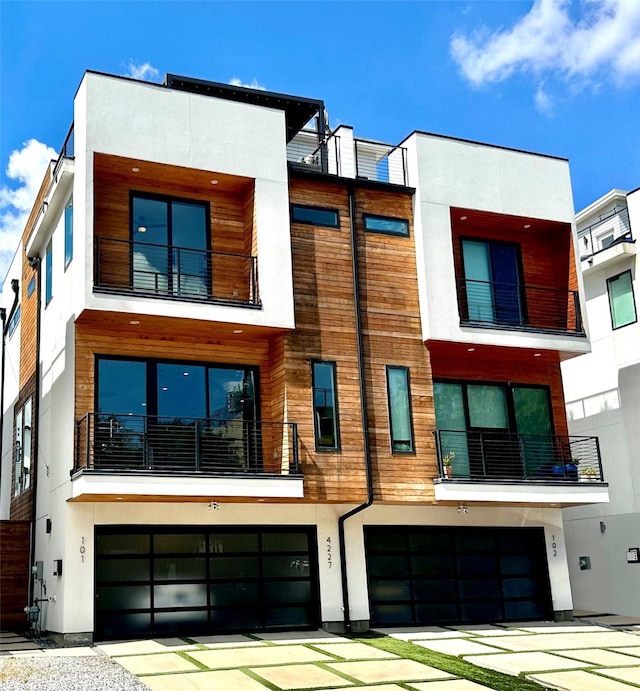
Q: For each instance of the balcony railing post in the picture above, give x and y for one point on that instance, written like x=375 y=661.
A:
x=576 y=306
x=600 y=472
x=405 y=177
x=196 y=428
x=294 y=439
x=88 y=458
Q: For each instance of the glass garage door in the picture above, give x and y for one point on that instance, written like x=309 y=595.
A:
x=429 y=575
x=159 y=581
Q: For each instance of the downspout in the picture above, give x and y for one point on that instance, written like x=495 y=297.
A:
x=5 y=327
x=364 y=415
x=34 y=263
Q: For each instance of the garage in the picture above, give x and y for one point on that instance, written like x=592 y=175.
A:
x=421 y=575
x=196 y=580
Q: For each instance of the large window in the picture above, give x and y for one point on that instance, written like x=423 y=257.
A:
x=492 y=283
x=325 y=406
x=22 y=452
x=170 y=243
x=48 y=274
x=399 y=399
x=68 y=234
x=488 y=429
x=621 y=300
x=175 y=414
x=315 y=215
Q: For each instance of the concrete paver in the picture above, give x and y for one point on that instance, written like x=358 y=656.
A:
x=250 y=657
x=230 y=641
x=288 y=637
x=517 y=663
x=120 y=648
x=557 y=641
x=204 y=681
x=18 y=645
x=631 y=674
x=389 y=670
x=578 y=681
x=156 y=664
x=635 y=651
x=301 y=677
x=616 y=620
x=448 y=685
x=354 y=651
x=457 y=646
x=421 y=633
x=564 y=629
x=377 y=687
x=596 y=656
x=487 y=630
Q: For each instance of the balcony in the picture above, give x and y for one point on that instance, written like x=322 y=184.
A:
x=491 y=456
x=138 y=454
x=179 y=273
x=519 y=307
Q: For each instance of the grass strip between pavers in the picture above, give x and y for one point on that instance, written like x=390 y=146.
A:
x=448 y=663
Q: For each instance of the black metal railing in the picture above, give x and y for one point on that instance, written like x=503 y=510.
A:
x=610 y=230
x=514 y=306
x=177 y=272
x=67 y=150
x=121 y=443
x=507 y=456
x=305 y=153
x=381 y=162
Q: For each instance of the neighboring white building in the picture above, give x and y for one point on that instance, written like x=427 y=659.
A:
x=602 y=390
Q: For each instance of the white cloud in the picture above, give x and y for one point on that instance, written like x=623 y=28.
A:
x=26 y=167
x=145 y=71
x=254 y=84
x=543 y=101
x=551 y=39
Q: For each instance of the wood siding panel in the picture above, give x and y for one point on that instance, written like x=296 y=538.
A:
x=14 y=573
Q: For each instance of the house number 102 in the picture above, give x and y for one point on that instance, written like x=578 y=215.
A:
x=554 y=546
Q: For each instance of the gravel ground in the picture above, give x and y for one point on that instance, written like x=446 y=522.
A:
x=40 y=673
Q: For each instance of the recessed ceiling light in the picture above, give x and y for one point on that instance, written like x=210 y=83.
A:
x=142 y=229
x=527 y=225
x=214 y=182
x=470 y=350
x=463 y=218
x=237 y=331
x=119 y=498
x=537 y=354
x=185 y=374
x=135 y=170
x=165 y=388
x=134 y=322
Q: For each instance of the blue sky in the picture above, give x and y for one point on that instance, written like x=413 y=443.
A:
x=551 y=76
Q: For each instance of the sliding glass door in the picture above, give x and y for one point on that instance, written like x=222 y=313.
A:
x=492 y=282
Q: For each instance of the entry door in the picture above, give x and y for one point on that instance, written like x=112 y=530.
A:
x=492 y=282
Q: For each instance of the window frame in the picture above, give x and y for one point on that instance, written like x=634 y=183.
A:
x=336 y=416
x=406 y=370
x=48 y=273
x=68 y=233
x=633 y=300
x=15 y=320
x=22 y=480
x=378 y=217
x=309 y=207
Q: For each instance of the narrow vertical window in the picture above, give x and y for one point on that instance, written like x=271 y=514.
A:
x=68 y=234
x=399 y=399
x=22 y=452
x=48 y=274
x=325 y=407
x=621 y=300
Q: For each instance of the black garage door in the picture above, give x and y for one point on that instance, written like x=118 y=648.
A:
x=433 y=575
x=190 y=580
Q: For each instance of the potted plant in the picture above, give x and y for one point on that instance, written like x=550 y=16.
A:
x=446 y=463
x=588 y=475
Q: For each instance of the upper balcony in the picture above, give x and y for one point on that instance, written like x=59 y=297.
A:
x=176 y=459
x=607 y=240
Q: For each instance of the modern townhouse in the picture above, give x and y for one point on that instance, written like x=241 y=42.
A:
x=603 y=398
x=269 y=375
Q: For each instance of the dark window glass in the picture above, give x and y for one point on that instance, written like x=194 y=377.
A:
x=13 y=324
x=233 y=542
x=122 y=570
x=386 y=225
x=235 y=567
x=181 y=393
x=399 y=401
x=621 y=300
x=124 y=597
x=391 y=565
x=325 y=408
x=290 y=566
x=285 y=542
x=48 y=274
x=177 y=622
x=315 y=215
x=187 y=543
x=283 y=592
x=225 y=594
x=68 y=234
x=122 y=544
x=390 y=590
x=179 y=569
x=392 y=614
x=180 y=595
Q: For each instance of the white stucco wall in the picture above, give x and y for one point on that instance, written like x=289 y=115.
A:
x=151 y=123
x=452 y=173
